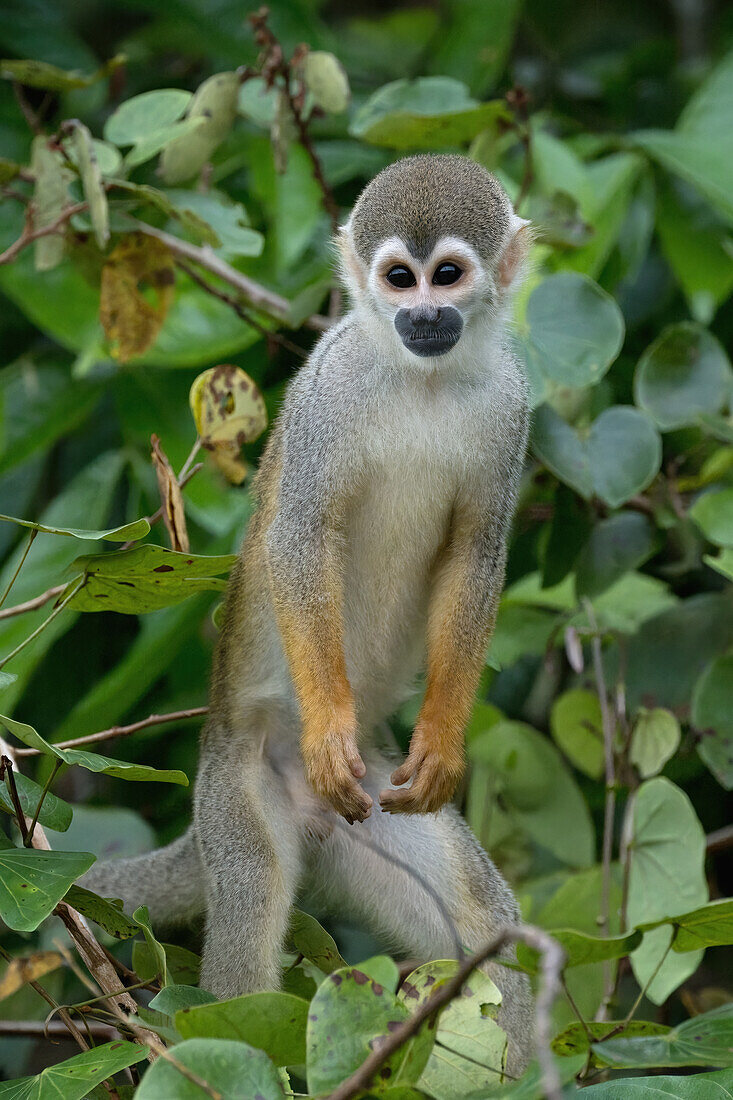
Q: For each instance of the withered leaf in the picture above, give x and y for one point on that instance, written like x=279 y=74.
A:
x=228 y=411
x=27 y=968
x=131 y=322
x=171 y=498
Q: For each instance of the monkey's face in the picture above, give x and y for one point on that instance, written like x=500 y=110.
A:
x=430 y=300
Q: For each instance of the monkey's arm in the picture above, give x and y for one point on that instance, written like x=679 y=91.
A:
x=461 y=620
x=305 y=563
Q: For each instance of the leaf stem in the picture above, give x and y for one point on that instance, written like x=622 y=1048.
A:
x=13 y=579
x=47 y=787
x=56 y=611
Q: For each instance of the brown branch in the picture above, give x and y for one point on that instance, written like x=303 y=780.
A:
x=553 y=958
x=240 y=311
x=720 y=839
x=29 y=235
x=25 y=108
x=34 y=604
x=6 y=774
x=123 y=731
x=54 y=1029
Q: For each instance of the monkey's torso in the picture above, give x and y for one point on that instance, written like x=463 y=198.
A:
x=415 y=440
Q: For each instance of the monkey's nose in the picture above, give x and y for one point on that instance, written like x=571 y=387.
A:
x=425 y=315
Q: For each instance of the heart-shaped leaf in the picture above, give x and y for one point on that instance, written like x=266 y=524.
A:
x=76 y=1077
x=232 y=1070
x=617 y=459
x=683 y=375
x=576 y=329
x=273 y=1022
x=712 y=716
x=705 y=1040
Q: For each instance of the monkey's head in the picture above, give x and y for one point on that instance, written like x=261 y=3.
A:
x=432 y=245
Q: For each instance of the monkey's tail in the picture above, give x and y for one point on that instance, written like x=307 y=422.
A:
x=169 y=881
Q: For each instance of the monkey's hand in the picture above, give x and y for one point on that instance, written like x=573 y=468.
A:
x=435 y=765
x=333 y=766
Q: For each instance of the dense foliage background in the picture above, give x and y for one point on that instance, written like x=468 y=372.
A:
x=193 y=232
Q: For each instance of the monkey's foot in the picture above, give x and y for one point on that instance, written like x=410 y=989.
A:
x=333 y=765
x=434 y=777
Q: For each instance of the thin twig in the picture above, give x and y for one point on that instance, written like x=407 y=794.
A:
x=610 y=801
x=57 y=764
x=6 y=773
x=123 y=731
x=68 y=1023
x=240 y=311
x=34 y=532
x=553 y=958
x=34 y=634
x=720 y=839
x=54 y=1029
x=34 y=604
x=29 y=235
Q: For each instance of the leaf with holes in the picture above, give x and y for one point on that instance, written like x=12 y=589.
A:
x=145 y=578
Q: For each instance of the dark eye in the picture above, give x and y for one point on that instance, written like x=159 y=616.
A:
x=446 y=273
x=401 y=277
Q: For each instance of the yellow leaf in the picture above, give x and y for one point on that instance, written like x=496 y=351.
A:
x=28 y=968
x=131 y=321
x=228 y=411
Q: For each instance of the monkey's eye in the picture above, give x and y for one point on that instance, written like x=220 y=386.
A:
x=401 y=277
x=446 y=273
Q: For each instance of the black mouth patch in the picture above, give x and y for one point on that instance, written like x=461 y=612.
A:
x=427 y=332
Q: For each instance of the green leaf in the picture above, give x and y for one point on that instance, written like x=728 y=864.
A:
x=226 y=218
x=723 y=562
x=50 y=197
x=713 y=514
x=654 y=741
x=308 y=938
x=695 y=248
x=55 y=813
x=236 y=1071
x=152 y=144
x=103 y=911
x=472 y=1047
x=326 y=81
x=712 y=716
x=86 y=498
x=257 y=102
x=531 y=1085
x=671 y=650
x=682 y=375
x=575 y=328
x=537 y=789
x=74 y=1078
x=382 y=969
x=615 y=546
x=92 y=761
x=424 y=113
x=41 y=404
x=705 y=1040
x=346 y=1019
x=709 y=926
x=619 y=457
x=85 y=156
x=40 y=74
x=128 y=532
x=215 y=101
x=574 y=1039
x=473 y=48
x=700 y=149
x=273 y=1022
x=519 y=631
x=577 y=729
x=152 y=196
x=581 y=949
x=155 y=949
x=700 y=1086
x=667 y=860
x=145 y=578
x=32 y=883
x=175 y=998
x=145 y=114
x=182 y=966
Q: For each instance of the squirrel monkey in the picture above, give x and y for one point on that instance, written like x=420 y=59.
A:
x=384 y=499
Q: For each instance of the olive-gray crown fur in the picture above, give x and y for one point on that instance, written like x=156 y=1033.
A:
x=423 y=198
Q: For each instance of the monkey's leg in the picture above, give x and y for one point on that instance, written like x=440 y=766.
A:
x=249 y=844
x=357 y=877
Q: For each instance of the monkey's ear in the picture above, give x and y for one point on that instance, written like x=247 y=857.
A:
x=513 y=258
x=352 y=270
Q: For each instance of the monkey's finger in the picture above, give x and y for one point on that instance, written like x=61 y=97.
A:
x=355 y=762
x=405 y=771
